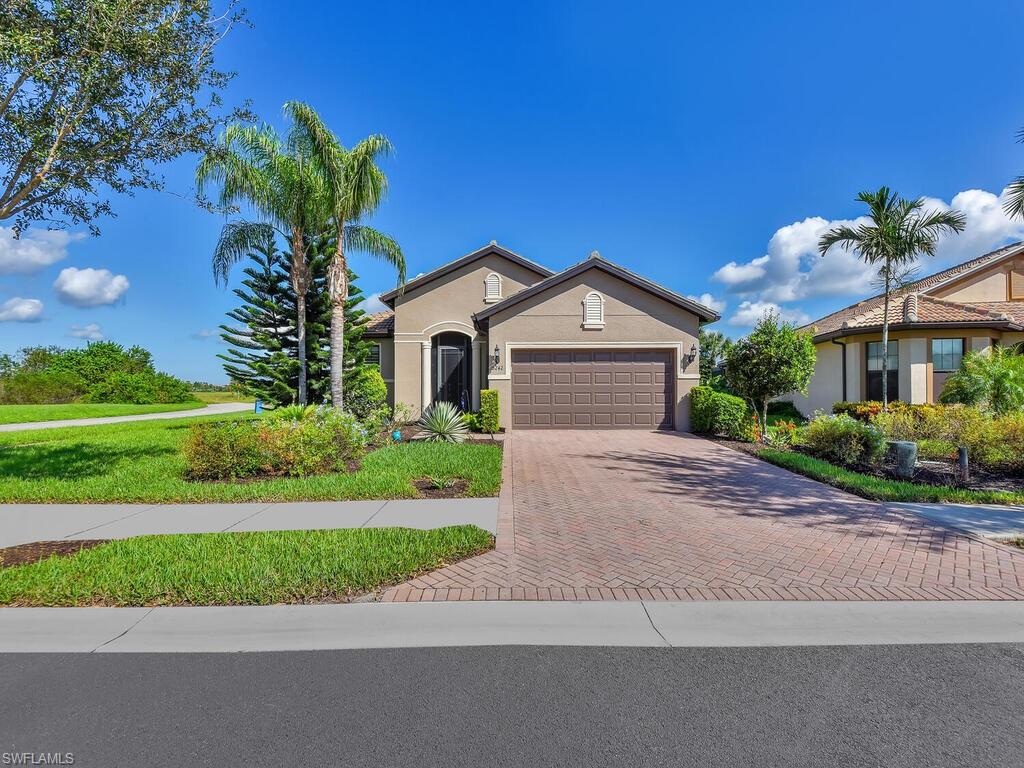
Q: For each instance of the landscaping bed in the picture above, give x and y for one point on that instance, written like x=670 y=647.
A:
x=240 y=568
x=143 y=462
x=35 y=551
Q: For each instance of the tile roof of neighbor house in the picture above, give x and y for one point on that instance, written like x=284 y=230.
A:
x=380 y=324
x=930 y=310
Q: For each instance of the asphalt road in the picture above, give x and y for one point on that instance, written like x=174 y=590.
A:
x=939 y=705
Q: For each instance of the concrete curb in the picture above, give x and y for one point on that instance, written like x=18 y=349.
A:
x=380 y=625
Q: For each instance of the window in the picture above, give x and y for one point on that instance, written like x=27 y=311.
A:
x=593 y=310
x=492 y=288
x=874 y=372
x=373 y=358
x=947 y=354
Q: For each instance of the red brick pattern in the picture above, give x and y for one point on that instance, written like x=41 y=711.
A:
x=627 y=515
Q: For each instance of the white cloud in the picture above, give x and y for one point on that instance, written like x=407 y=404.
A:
x=89 y=287
x=792 y=270
x=372 y=303
x=34 y=250
x=19 y=310
x=709 y=301
x=750 y=312
x=91 y=332
x=205 y=333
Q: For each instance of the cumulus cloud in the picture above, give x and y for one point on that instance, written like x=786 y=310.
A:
x=89 y=287
x=709 y=301
x=372 y=303
x=34 y=250
x=90 y=332
x=205 y=333
x=19 y=310
x=749 y=312
x=791 y=270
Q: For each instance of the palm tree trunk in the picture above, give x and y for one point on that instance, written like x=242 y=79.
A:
x=300 y=283
x=885 y=344
x=300 y=330
x=337 y=289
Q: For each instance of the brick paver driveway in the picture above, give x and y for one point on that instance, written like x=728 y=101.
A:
x=630 y=515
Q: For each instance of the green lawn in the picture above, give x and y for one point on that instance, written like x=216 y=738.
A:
x=141 y=462
x=222 y=397
x=20 y=414
x=239 y=568
x=880 y=489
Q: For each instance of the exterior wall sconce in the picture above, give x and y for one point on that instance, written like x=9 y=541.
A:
x=693 y=353
x=497 y=354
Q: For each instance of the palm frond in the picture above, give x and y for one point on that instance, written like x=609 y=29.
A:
x=1014 y=203
x=237 y=240
x=359 y=237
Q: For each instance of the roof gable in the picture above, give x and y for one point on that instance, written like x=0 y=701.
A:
x=492 y=249
x=596 y=262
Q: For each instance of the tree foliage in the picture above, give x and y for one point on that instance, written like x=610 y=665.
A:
x=714 y=347
x=991 y=379
x=773 y=360
x=94 y=93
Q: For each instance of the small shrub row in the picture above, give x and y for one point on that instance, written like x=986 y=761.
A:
x=317 y=441
x=843 y=440
x=718 y=413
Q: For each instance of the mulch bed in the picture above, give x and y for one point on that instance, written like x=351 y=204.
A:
x=35 y=551
x=428 y=490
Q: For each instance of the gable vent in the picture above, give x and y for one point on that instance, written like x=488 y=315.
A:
x=492 y=288
x=593 y=310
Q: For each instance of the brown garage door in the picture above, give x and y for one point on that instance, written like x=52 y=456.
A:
x=592 y=389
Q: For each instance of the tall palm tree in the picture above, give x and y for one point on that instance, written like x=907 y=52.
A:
x=280 y=182
x=899 y=232
x=354 y=186
x=1014 y=203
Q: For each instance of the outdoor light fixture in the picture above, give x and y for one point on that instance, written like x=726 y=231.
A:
x=693 y=352
x=497 y=354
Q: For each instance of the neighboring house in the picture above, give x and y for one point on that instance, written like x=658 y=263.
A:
x=593 y=346
x=932 y=323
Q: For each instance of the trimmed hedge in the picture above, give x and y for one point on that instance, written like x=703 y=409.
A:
x=843 y=440
x=489 y=412
x=717 y=413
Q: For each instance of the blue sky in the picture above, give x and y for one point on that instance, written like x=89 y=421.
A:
x=705 y=147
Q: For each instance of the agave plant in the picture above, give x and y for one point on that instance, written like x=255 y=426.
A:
x=442 y=423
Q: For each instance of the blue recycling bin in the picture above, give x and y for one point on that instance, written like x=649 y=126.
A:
x=259 y=406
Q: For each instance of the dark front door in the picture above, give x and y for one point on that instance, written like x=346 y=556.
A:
x=451 y=369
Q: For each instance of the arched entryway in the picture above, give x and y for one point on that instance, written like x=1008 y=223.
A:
x=450 y=357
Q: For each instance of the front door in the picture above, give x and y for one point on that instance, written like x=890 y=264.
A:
x=451 y=369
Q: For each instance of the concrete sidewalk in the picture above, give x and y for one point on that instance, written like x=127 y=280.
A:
x=380 y=625
x=22 y=523
x=989 y=520
x=214 y=409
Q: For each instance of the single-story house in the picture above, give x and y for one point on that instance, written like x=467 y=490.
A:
x=933 y=322
x=593 y=346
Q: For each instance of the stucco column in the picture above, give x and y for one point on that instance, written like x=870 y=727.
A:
x=425 y=376
x=854 y=361
x=474 y=376
x=917 y=361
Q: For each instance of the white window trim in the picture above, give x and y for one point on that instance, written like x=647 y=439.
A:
x=593 y=325
x=490 y=298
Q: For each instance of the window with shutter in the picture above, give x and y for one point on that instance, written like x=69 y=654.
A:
x=593 y=311
x=492 y=288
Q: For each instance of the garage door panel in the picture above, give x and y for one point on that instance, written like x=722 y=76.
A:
x=622 y=388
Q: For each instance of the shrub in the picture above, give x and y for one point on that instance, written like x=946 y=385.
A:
x=843 y=440
x=717 y=413
x=999 y=445
x=144 y=387
x=781 y=434
x=785 y=409
x=366 y=393
x=326 y=441
x=992 y=379
x=442 y=423
x=489 y=411
x=472 y=421
x=26 y=387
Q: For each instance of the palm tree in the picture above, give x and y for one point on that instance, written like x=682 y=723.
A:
x=354 y=186
x=281 y=184
x=1014 y=203
x=899 y=232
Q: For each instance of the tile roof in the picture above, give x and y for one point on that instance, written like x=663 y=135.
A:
x=868 y=313
x=380 y=324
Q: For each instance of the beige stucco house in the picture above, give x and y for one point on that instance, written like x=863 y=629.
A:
x=592 y=346
x=933 y=322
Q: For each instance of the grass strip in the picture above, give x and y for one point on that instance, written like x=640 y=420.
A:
x=24 y=414
x=239 y=568
x=881 y=489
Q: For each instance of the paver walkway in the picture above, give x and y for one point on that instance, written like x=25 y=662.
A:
x=637 y=515
x=213 y=409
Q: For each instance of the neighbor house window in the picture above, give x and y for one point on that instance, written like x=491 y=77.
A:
x=874 y=366
x=947 y=354
x=373 y=358
x=593 y=310
x=492 y=288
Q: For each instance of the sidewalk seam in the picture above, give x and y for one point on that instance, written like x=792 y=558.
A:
x=125 y=632
x=146 y=508
x=379 y=510
x=259 y=511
